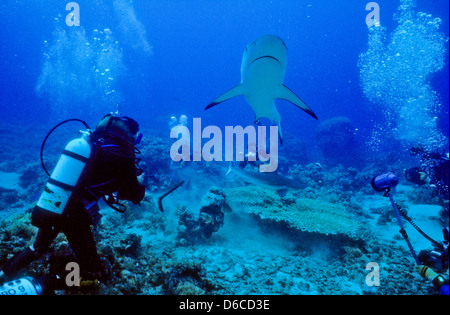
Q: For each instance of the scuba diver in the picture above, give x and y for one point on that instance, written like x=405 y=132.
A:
x=174 y=122
x=251 y=157
x=182 y=121
x=100 y=164
x=434 y=170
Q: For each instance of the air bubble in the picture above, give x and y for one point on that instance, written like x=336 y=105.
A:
x=396 y=72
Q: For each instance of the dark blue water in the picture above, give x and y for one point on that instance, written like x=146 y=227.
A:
x=197 y=48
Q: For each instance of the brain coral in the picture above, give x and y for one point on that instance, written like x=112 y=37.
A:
x=300 y=213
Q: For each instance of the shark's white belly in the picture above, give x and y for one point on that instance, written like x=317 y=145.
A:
x=262 y=80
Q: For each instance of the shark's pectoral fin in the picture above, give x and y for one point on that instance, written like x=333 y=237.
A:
x=286 y=94
x=235 y=91
x=280 y=134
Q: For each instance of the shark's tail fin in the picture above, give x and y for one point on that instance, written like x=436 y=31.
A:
x=159 y=198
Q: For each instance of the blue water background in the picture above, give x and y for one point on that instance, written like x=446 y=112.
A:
x=197 y=50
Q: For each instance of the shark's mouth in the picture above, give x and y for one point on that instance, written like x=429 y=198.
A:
x=271 y=57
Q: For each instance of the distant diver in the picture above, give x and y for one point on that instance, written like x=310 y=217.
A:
x=434 y=170
x=262 y=74
x=100 y=164
x=182 y=121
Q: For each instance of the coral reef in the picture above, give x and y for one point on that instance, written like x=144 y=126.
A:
x=185 y=279
x=130 y=246
x=15 y=234
x=424 y=194
x=338 y=178
x=336 y=138
x=299 y=213
x=8 y=197
x=210 y=218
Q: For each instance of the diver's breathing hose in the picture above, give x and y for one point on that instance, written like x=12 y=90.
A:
x=49 y=133
x=407 y=218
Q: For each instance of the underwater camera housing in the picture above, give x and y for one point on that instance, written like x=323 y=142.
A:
x=384 y=182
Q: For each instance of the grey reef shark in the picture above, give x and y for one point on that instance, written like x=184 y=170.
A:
x=262 y=74
x=271 y=180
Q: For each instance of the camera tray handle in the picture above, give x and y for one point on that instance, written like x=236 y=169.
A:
x=402 y=230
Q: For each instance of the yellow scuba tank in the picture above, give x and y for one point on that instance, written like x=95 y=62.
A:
x=62 y=183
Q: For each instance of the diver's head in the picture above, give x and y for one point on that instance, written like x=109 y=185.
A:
x=173 y=121
x=183 y=120
x=124 y=127
x=133 y=126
